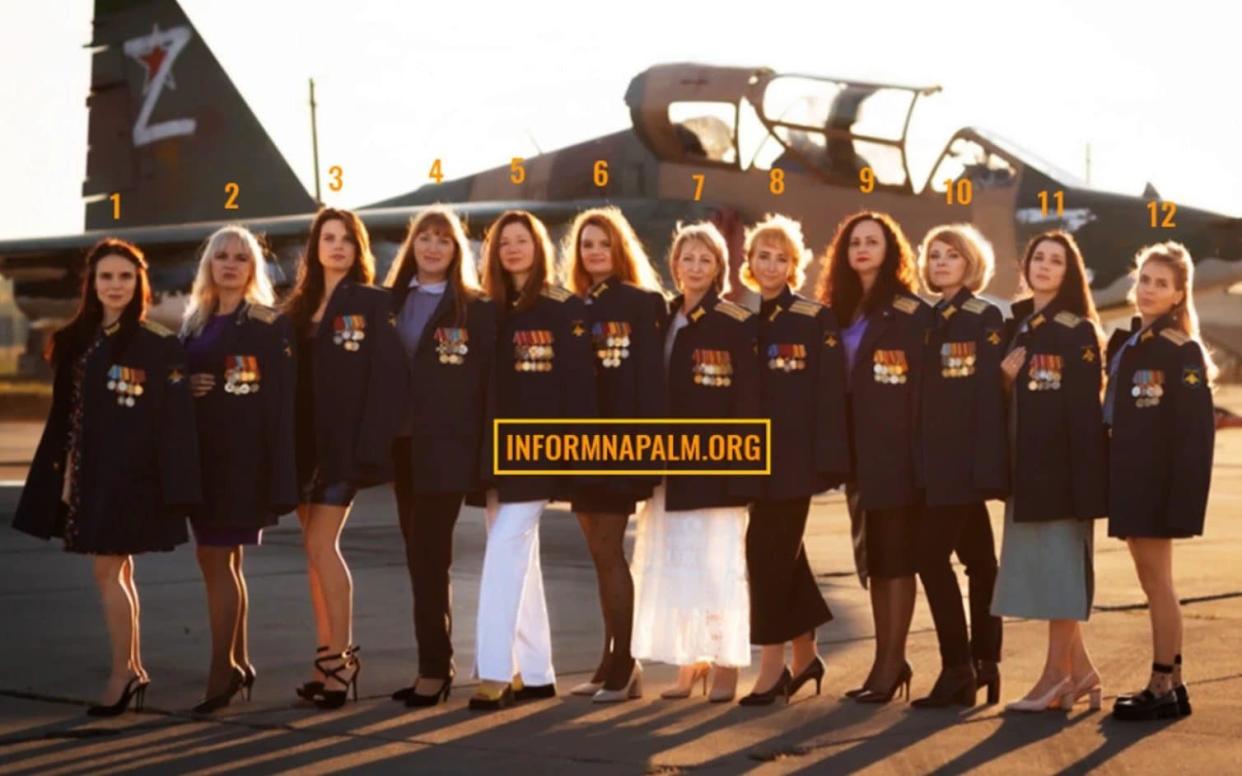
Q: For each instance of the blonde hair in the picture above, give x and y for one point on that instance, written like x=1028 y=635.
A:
x=704 y=232
x=788 y=233
x=203 y=295
x=1185 y=317
x=971 y=244
x=629 y=261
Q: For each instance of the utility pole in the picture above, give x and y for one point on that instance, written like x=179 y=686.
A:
x=314 y=141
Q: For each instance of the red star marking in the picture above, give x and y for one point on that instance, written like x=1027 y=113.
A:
x=152 y=60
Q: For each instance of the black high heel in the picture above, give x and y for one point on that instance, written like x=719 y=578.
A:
x=955 y=685
x=216 y=702
x=987 y=674
x=309 y=690
x=135 y=688
x=415 y=699
x=875 y=696
x=768 y=696
x=813 y=671
x=248 y=683
x=335 y=699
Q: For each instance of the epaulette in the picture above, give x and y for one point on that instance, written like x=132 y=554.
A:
x=734 y=311
x=556 y=292
x=1067 y=319
x=975 y=306
x=806 y=307
x=262 y=313
x=905 y=304
x=1176 y=336
x=156 y=328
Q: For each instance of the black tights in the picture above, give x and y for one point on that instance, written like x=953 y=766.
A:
x=605 y=537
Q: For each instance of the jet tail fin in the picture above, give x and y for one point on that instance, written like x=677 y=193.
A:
x=169 y=131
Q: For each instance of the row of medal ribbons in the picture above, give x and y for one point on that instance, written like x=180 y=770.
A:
x=451 y=345
x=1045 y=372
x=1148 y=387
x=891 y=367
x=532 y=350
x=786 y=357
x=612 y=341
x=126 y=382
x=957 y=359
x=349 y=331
x=713 y=368
x=241 y=375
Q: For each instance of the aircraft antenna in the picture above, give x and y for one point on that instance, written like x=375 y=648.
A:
x=1088 y=176
x=314 y=141
x=534 y=142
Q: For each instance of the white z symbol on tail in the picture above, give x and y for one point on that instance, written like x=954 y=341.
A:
x=157 y=52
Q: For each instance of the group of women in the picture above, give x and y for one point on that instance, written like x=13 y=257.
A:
x=923 y=412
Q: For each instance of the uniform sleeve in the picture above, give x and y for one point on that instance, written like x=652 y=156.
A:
x=746 y=400
x=579 y=398
x=180 y=475
x=1194 y=429
x=387 y=376
x=991 y=464
x=1082 y=375
x=652 y=402
x=281 y=399
x=921 y=326
x=832 y=447
x=487 y=349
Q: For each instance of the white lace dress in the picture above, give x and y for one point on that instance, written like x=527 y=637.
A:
x=691 y=603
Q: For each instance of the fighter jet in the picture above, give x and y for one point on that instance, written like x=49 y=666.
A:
x=175 y=152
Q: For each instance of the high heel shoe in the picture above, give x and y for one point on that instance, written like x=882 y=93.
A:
x=1058 y=694
x=698 y=675
x=1090 y=686
x=216 y=702
x=135 y=688
x=987 y=674
x=632 y=689
x=722 y=696
x=335 y=699
x=416 y=699
x=813 y=671
x=248 y=683
x=309 y=690
x=955 y=685
x=767 y=697
x=903 y=680
x=491 y=698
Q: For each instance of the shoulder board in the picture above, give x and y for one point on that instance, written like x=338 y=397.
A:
x=556 y=292
x=905 y=304
x=1175 y=336
x=735 y=311
x=262 y=313
x=1067 y=319
x=806 y=307
x=156 y=328
x=975 y=306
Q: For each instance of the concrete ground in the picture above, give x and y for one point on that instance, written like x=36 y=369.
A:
x=53 y=659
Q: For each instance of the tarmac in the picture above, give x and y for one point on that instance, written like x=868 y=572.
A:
x=54 y=658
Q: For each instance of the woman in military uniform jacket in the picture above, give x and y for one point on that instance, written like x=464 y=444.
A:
x=802 y=390
x=352 y=374
x=1159 y=407
x=543 y=370
x=1053 y=370
x=965 y=460
x=449 y=332
x=610 y=272
x=868 y=280
x=116 y=471
x=691 y=601
x=241 y=372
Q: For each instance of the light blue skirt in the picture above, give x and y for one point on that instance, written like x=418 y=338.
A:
x=1046 y=570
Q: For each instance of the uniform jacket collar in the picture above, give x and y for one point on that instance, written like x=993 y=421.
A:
x=700 y=310
x=768 y=307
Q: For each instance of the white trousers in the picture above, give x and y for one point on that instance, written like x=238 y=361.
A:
x=513 y=635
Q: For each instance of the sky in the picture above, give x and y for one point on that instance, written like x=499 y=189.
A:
x=1151 y=86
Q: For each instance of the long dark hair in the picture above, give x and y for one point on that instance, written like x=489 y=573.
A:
x=497 y=283
x=461 y=273
x=1075 y=293
x=72 y=338
x=839 y=286
x=308 y=292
